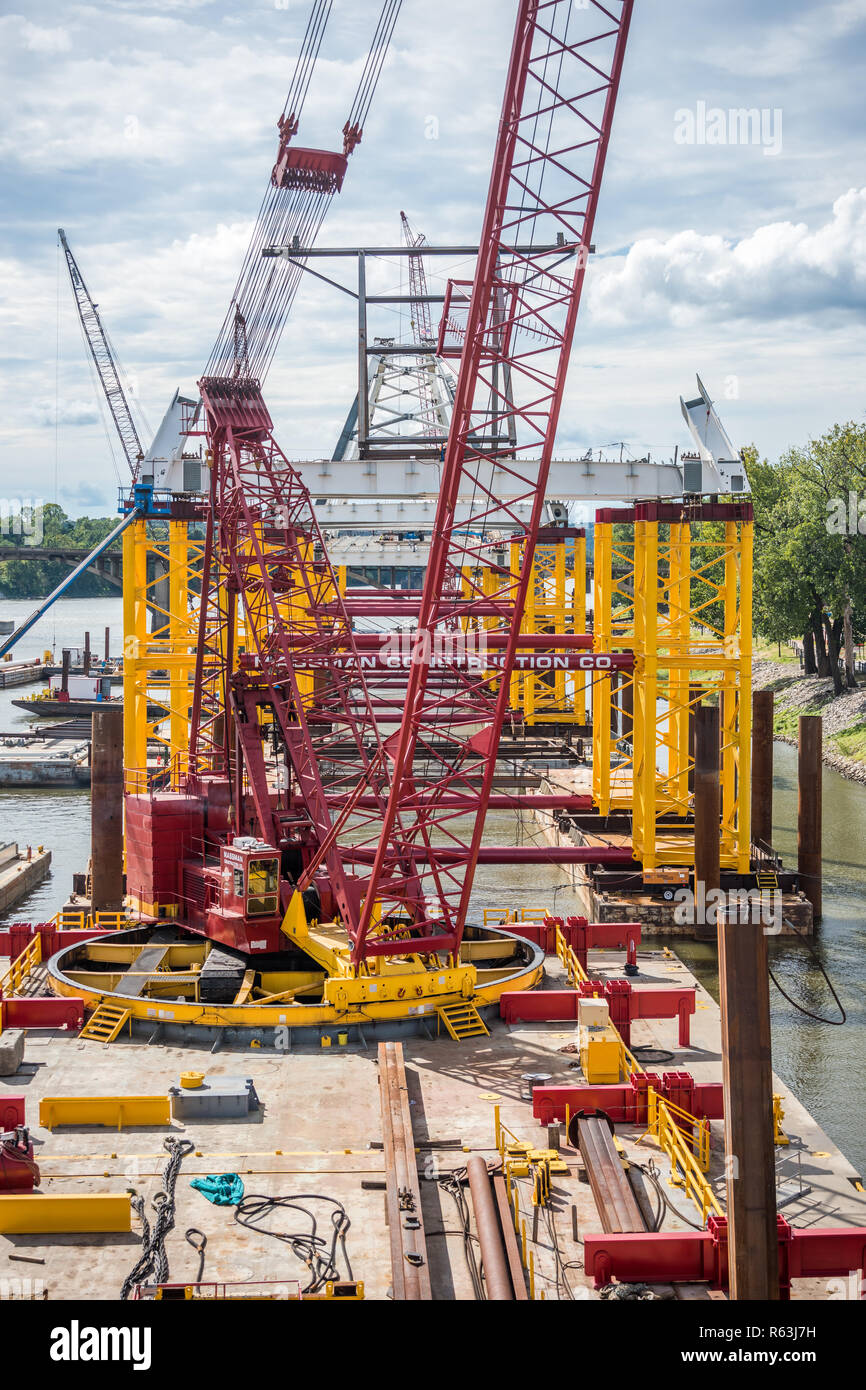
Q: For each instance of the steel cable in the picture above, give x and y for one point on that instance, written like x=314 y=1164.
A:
x=153 y=1259
x=317 y=1253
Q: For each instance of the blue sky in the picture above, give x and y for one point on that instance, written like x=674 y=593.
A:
x=147 y=130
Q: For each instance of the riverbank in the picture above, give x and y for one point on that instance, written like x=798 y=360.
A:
x=844 y=715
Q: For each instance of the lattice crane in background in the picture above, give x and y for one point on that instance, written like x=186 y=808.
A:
x=422 y=327
x=105 y=363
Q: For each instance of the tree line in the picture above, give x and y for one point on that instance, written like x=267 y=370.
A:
x=810 y=549
x=28 y=577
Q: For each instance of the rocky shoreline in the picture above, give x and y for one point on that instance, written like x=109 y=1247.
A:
x=814 y=694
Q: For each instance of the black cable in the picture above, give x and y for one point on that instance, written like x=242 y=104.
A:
x=832 y=1022
x=651 y=1172
x=452 y=1183
x=317 y=1253
x=199 y=1246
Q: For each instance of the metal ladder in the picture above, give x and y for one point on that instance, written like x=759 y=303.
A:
x=105 y=1022
x=462 y=1021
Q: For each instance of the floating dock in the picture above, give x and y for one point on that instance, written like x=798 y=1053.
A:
x=20 y=872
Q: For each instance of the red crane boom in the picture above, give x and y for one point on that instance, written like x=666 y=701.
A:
x=560 y=96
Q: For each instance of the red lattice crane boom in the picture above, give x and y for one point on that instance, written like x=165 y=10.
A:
x=396 y=866
x=560 y=97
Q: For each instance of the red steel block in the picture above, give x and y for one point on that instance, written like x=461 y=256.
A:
x=11 y=1112
x=702 y=1256
x=536 y=932
x=660 y=1001
x=709 y=1100
x=538 y=1005
x=610 y=936
x=641 y=1083
x=48 y=1012
x=625 y=1102
x=618 y=994
x=549 y=1102
x=679 y=1088
x=18 y=1170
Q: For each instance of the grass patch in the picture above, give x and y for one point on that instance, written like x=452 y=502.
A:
x=786 y=722
x=769 y=651
x=851 y=743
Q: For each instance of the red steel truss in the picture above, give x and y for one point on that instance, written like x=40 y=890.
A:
x=558 y=111
x=296 y=698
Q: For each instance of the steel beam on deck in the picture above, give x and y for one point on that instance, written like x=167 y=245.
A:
x=410 y=1273
x=493 y=1255
x=615 y=1201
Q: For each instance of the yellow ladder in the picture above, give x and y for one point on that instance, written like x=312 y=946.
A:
x=768 y=880
x=462 y=1021
x=105 y=1022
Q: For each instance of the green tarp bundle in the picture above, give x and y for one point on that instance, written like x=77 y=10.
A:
x=223 y=1189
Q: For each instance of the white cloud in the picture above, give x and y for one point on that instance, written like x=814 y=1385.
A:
x=781 y=270
x=790 y=42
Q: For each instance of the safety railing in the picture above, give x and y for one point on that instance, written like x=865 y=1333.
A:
x=21 y=967
x=628 y=1063
x=686 y=1141
x=170 y=775
x=504 y=916
x=79 y=919
x=573 y=968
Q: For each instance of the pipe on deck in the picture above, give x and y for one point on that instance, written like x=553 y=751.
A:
x=493 y=1257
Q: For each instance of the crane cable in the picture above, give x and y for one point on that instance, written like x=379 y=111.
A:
x=266 y=287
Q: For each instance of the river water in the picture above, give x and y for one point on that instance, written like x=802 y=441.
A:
x=824 y=1065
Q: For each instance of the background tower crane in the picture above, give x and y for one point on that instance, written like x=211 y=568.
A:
x=104 y=361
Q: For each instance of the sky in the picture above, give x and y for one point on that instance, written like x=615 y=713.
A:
x=147 y=131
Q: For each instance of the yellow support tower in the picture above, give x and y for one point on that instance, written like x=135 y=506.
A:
x=673 y=583
x=162 y=563
x=556 y=604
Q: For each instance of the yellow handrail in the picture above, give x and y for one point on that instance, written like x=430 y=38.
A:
x=687 y=1167
x=22 y=966
x=77 y=919
x=573 y=968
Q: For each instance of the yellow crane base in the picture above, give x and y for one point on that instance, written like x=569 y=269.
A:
x=326 y=995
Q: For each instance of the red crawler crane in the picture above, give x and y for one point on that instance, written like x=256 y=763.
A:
x=400 y=799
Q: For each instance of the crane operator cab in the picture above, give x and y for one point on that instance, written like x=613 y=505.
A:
x=250 y=892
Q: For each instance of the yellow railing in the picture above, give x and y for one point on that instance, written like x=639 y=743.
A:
x=76 y=919
x=21 y=967
x=170 y=775
x=504 y=916
x=779 y=1135
x=627 y=1061
x=573 y=968
x=689 y=1154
